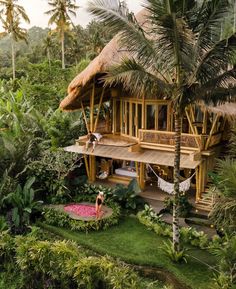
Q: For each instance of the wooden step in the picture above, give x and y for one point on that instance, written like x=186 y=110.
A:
x=119 y=179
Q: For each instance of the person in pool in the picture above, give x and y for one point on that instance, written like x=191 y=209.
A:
x=98 y=205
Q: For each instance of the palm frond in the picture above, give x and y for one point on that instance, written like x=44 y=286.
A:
x=143 y=82
x=140 y=44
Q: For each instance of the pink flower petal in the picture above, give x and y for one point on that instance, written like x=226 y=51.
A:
x=81 y=210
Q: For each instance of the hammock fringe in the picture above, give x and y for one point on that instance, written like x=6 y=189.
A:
x=169 y=187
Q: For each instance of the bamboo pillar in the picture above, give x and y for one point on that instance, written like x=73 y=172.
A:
x=198 y=194
x=142 y=176
x=99 y=108
x=137 y=172
x=204 y=176
x=87 y=166
x=204 y=125
x=92 y=106
x=212 y=131
x=190 y=122
x=113 y=116
x=85 y=118
x=143 y=113
x=92 y=167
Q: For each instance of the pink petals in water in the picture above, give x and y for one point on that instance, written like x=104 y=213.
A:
x=81 y=210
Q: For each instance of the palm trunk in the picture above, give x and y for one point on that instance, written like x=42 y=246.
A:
x=234 y=12
x=176 y=243
x=13 y=59
x=63 y=50
x=49 y=57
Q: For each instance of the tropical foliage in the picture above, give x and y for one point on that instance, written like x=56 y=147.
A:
x=61 y=264
x=223 y=214
x=60 y=15
x=179 y=53
x=10 y=16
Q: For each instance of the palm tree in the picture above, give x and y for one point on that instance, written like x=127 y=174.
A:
x=10 y=16
x=60 y=15
x=47 y=46
x=176 y=52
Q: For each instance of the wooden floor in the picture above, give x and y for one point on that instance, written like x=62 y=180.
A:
x=150 y=192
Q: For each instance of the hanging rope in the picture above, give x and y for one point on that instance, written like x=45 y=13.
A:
x=169 y=187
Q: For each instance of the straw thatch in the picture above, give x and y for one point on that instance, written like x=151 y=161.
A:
x=81 y=86
x=227 y=109
x=110 y=55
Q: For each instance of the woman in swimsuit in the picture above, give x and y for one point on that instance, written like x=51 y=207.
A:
x=98 y=205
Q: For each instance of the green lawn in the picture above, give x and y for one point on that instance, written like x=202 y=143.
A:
x=133 y=243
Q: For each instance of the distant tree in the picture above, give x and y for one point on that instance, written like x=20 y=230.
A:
x=48 y=46
x=10 y=16
x=60 y=15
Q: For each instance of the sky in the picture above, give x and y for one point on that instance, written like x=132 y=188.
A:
x=35 y=10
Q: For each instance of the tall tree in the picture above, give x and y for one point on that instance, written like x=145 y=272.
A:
x=176 y=52
x=10 y=16
x=60 y=15
x=48 y=46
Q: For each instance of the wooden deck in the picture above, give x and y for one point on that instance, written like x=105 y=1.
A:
x=148 y=156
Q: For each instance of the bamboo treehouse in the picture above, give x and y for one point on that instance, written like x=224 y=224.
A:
x=138 y=132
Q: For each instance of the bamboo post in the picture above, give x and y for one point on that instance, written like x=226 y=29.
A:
x=212 y=131
x=137 y=172
x=85 y=118
x=168 y=118
x=99 y=108
x=143 y=112
x=113 y=116
x=87 y=166
x=92 y=106
x=189 y=121
x=197 y=185
x=199 y=142
x=92 y=162
x=204 y=176
x=141 y=176
x=204 y=125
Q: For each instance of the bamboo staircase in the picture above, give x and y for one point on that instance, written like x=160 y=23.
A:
x=206 y=202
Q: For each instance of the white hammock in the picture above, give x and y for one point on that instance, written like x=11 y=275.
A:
x=169 y=187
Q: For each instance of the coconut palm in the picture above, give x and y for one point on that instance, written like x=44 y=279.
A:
x=10 y=16
x=60 y=15
x=48 y=46
x=176 y=52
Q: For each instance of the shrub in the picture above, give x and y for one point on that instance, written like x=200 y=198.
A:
x=50 y=171
x=61 y=264
x=23 y=204
x=188 y=235
x=128 y=197
x=55 y=217
x=150 y=219
x=175 y=256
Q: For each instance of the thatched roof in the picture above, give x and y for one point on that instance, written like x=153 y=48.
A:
x=227 y=109
x=81 y=86
x=110 y=55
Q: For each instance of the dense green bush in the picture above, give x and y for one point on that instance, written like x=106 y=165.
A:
x=174 y=255
x=22 y=205
x=61 y=264
x=50 y=171
x=52 y=216
x=227 y=263
x=188 y=235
